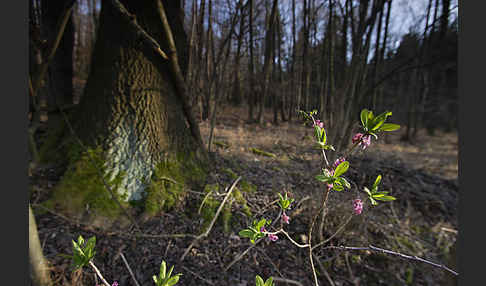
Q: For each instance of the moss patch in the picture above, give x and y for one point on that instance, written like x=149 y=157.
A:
x=51 y=149
x=262 y=153
x=169 y=181
x=209 y=206
x=82 y=193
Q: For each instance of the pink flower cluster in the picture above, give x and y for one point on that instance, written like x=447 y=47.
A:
x=364 y=140
x=271 y=237
x=285 y=218
x=339 y=161
x=319 y=123
x=357 y=206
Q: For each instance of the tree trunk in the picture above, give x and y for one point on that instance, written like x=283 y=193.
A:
x=293 y=84
x=377 y=61
x=60 y=72
x=251 y=95
x=267 y=67
x=133 y=117
x=305 y=79
x=236 y=94
x=39 y=270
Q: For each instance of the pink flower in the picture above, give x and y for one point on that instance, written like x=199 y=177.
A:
x=319 y=123
x=364 y=140
x=272 y=237
x=285 y=218
x=329 y=186
x=339 y=161
x=357 y=137
x=357 y=206
x=262 y=229
x=114 y=284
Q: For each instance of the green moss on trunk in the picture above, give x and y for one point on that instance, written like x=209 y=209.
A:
x=82 y=192
x=170 y=180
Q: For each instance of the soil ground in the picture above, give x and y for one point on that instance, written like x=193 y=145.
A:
x=421 y=222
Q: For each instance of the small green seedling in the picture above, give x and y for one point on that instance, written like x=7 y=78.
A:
x=166 y=279
x=259 y=281
x=374 y=194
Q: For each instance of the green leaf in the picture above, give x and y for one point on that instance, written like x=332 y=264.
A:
x=386 y=198
x=370 y=116
x=163 y=268
x=323 y=137
x=344 y=182
x=173 y=280
x=341 y=169
x=323 y=178
x=373 y=134
x=285 y=204
x=389 y=127
x=364 y=118
x=377 y=181
x=337 y=187
x=155 y=280
x=80 y=240
x=380 y=120
x=246 y=233
x=259 y=281
x=373 y=202
x=170 y=271
x=367 y=191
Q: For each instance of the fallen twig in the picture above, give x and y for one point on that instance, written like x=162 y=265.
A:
x=129 y=269
x=197 y=275
x=208 y=229
x=385 y=251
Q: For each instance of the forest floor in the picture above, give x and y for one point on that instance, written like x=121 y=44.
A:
x=423 y=221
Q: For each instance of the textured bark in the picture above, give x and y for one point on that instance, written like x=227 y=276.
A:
x=131 y=106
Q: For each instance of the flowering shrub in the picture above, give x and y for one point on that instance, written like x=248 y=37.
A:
x=332 y=176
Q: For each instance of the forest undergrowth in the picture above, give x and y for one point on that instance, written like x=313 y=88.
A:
x=272 y=159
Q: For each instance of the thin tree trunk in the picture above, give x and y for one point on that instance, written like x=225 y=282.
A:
x=382 y=53
x=377 y=60
x=421 y=85
x=293 y=84
x=192 y=38
x=304 y=79
x=236 y=98
x=267 y=67
x=60 y=33
x=251 y=96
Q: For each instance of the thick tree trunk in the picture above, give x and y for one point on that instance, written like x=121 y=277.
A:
x=132 y=108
